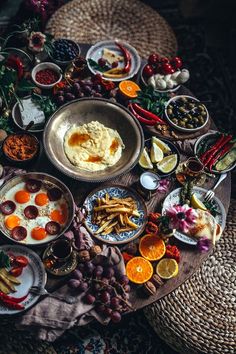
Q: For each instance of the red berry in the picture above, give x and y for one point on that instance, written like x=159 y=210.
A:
x=102 y=62
x=153 y=59
x=114 y=64
x=167 y=69
x=176 y=62
x=148 y=70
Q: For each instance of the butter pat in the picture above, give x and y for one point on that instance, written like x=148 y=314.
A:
x=31 y=112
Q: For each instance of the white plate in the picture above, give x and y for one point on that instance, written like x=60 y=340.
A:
x=174 y=198
x=95 y=53
x=33 y=274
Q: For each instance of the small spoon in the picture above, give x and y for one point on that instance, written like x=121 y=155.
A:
x=30 y=125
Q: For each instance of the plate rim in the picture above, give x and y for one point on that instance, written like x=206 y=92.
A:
x=111 y=41
x=129 y=189
x=60 y=234
x=84 y=179
x=44 y=278
x=219 y=203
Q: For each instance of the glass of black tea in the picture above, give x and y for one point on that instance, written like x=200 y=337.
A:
x=61 y=250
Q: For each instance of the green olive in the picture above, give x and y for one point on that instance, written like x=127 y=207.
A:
x=182 y=123
x=190 y=126
x=182 y=109
x=185 y=119
x=191 y=105
x=201 y=108
x=188 y=116
x=201 y=120
x=175 y=120
x=184 y=99
x=169 y=111
x=204 y=114
x=196 y=120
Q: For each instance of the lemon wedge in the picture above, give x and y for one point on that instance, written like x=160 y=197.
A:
x=167 y=164
x=156 y=154
x=163 y=146
x=196 y=203
x=145 y=161
x=167 y=268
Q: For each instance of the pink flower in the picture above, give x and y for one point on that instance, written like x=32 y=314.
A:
x=181 y=217
x=163 y=185
x=36 y=41
x=204 y=244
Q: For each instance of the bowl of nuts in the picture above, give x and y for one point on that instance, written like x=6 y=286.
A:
x=186 y=113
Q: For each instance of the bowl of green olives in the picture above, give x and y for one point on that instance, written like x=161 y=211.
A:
x=186 y=113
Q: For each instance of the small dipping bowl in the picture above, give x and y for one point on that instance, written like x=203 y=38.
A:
x=9 y=152
x=44 y=66
x=64 y=63
x=148 y=183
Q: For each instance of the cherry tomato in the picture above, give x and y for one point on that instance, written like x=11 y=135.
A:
x=148 y=70
x=176 y=62
x=153 y=59
x=158 y=69
x=165 y=60
x=21 y=261
x=16 y=271
x=167 y=69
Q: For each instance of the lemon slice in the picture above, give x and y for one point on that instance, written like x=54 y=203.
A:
x=163 y=146
x=168 y=163
x=145 y=161
x=196 y=203
x=156 y=154
x=167 y=268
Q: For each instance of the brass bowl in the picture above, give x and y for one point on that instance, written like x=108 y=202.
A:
x=86 y=110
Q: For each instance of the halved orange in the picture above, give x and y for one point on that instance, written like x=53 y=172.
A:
x=129 y=88
x=139 y=270
x=152 y=247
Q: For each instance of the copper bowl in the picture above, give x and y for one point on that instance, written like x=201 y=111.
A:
x=85 y=110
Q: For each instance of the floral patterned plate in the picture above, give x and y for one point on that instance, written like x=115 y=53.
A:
x=174 y=198
x=119 y=192
x=33 y=275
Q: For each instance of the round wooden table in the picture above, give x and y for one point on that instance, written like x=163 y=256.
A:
x=191 y=259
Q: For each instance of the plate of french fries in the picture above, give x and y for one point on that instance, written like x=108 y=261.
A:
x=16 y=286
x=115 y=214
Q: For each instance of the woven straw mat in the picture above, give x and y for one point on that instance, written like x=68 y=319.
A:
x=200 y=315
x=90 y=21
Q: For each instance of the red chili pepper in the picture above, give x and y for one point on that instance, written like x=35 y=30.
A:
x=127 y=56
x=151 y=228
x=11 y=298
x=153 y=217
x=141 y=119
x=147 y=114
x=127 y=257
x=12 y=304
x=172 y=252
x=219 y=155
x=214 y=152
x=206 y=153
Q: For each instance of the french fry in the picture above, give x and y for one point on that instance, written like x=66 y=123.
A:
x=129 y=222
x=121 y=218
x=104 y=207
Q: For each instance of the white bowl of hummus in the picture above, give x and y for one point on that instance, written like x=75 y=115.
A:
x=93 y=139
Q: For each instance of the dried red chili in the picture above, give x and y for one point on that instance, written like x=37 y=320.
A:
x=151 y=228
x=153 y=217
x=172 y=252
x=46 y=76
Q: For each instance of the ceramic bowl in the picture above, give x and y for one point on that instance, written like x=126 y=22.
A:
x=64 y=63
x=43 y=66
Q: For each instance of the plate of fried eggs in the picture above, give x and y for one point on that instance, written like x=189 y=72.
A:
x=35 y=208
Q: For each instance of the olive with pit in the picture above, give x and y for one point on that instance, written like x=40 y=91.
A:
x=182 y=123
x=169 y=111
x=175 y=120
x=189 y=126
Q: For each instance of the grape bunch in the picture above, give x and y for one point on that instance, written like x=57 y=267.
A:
x=64 y=50
x=83 y=88
x=103 y=287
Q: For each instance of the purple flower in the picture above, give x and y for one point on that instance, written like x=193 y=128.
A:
x=181 y=217
x=204 y=244
x=163 y=185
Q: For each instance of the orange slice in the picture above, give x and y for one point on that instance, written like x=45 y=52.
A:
x=129 y=88
x=167 y=268
x=152 y=247
x=139 y=270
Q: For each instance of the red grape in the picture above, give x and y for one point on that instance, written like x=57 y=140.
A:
x=83 y=286
x=100 y=308
x=105 y=297
x=98 y=271
x=109 y=272
x=81 y=267
x=127 y=288
x=115 y=316
x=123 y=280
x=77 y=274
x=74 y=283
x=89 y=299
x=102 y=62
x=89 y=267
x=107 y=311
x=115 y=303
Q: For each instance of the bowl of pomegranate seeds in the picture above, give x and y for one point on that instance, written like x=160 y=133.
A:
x=46 y=75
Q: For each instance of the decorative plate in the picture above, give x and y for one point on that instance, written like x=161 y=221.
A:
x=32 y=275
x=95 y=52
x=120 y=192
x=174 y=198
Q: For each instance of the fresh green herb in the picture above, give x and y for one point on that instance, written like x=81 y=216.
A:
x=4 y=260
x=212 y=207
x=186 y=192
x=152 y=100
x=45 y=104
x=96 y=66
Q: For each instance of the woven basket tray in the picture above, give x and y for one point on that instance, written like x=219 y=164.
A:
x=199 y=316
x=90 y=21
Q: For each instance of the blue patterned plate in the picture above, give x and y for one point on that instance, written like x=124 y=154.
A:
x=118 y=192
x=33 y=274
x=174 y=198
